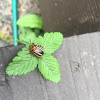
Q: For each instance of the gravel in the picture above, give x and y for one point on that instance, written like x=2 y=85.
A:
x=24 y=7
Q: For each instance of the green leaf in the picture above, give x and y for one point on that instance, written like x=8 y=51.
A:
x=26 y=34
x=39 y=41
x=50 y=42
x=49 y=67
x=22 y=63
x=31 y=20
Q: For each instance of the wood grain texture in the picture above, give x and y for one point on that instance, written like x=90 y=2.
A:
x=76 y=68
x=90 y=75
x=6 y=56
x=70 y=16
x=79 y=61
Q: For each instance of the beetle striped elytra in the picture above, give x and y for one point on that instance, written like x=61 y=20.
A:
x=37 y=50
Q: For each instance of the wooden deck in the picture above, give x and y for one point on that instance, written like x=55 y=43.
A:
x=79 y=60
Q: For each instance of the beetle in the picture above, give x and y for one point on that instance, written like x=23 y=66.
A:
x=36 y=50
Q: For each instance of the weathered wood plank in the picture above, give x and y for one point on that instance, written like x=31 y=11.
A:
x=95 y=48
x=40 y=88
x=66 y=86
x=26 y=87
x=76 y=68
x=5 y=58
x=33 y=85
x=5 y=93
x=23 y=87
x=79 y=62
x=88 y=67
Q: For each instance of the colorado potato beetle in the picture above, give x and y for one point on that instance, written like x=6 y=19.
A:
x=37 y=50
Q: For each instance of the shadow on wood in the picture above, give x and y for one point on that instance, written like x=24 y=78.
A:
x=70 y=16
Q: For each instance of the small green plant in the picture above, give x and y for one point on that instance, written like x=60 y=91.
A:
x=23 y=63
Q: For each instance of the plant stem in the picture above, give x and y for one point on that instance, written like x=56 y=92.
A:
x=23 y=42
